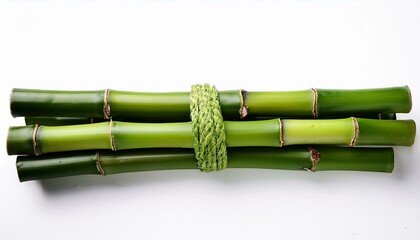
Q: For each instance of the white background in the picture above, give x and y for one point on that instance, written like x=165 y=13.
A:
x=170 y=45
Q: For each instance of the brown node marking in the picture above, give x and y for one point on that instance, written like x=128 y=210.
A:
x=315 y=103
x=243 y=111
x=107 y=105
x=356 y=132
x=111 y=135
x=281 y=132
x=315 y=158
x=98 y=164
x=35 y=144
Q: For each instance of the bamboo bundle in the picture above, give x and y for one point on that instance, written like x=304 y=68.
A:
x=72 y=132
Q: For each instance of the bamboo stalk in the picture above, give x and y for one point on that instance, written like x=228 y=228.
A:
x=149 y=107
x=329 y=102
x=106 y=104
x=269 y=133
x=60 y=121
x=319 y=158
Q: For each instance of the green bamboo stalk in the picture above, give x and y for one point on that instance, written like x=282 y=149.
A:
x=104 y=104
x=149 y=107
x=329 y=102
x=288 y=158
x=60 y=121
x=269 y=133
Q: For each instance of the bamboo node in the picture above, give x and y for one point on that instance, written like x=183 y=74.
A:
x=208 y=131
x=243 y=111
x=37 y=151
x=107 y=105
x=356 y=132
x=281 y=132
x=98 y=164
x=111 y=135
x=315 y=158
x=315 y=103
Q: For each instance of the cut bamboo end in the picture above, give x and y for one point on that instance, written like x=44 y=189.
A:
x=410 y=98
x=20 y=140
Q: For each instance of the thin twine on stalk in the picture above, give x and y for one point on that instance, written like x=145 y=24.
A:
x=208 y=130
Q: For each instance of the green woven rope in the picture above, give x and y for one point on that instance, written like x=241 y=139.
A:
x=208 y=129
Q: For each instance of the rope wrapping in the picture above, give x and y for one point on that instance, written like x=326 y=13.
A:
x=208 y=130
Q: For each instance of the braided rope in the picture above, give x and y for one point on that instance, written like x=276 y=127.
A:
x=208 y=129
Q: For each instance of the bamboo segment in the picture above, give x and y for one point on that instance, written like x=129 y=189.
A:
x=160 y=107
x=288 y=158
x=324 y=131
x=29 y=102
x=264 y=133
x=116 y=135
x=293 y=103
x=19 y=140
x=385 y=100
x=56 y=165
x=378 y=134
